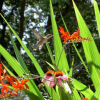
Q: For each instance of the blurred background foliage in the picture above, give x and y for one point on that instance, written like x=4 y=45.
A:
x=25 y=15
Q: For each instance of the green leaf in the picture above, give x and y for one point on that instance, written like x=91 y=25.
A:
x=96 y=95
x=75 y=95
x=90 y=50
x=97 y=15
x=71 y=69
x=8 y=70
x=63 y=63
x=50 y=65
x=83 y=89
x=19 y=57
x=31 y=95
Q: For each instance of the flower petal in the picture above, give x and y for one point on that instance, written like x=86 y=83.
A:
x=45 y=78
x=60 y=82
x=64 y=77
x=67 y=88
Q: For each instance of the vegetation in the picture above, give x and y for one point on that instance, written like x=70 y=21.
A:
x=60 y=58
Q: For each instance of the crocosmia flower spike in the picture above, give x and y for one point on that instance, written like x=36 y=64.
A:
x=75 y=37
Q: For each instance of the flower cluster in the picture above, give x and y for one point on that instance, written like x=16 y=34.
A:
x=53 y=77
x=74 y=37
x=5 y=90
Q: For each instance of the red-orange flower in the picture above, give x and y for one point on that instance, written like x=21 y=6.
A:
x=2 y=71
x=65 y=35
x=75 y=35
x=20 y=85
x=8 y=77
x=84 y=99
x=5 y=89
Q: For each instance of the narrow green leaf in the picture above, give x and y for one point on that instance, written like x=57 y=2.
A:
x=50 y=65
x=19 y=57
x=8 y=70
x=97 y=15
x=90 y=50
x=71 y=69
x=63 y=63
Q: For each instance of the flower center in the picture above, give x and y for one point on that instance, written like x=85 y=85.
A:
x=50 y=73
x=59 y=73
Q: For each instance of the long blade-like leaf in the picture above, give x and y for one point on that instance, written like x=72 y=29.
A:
x=63 y=64
x=90 y=50
x=97 y=14
x=20 y=59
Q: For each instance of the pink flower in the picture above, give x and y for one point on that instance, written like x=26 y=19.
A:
x=53 y=78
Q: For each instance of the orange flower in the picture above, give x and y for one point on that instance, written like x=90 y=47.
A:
x=2 y=71
x=8 y=77
x=20 y=86
x=65 y=35
x=5 y=89
x=75 y=35
x=85 y=99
